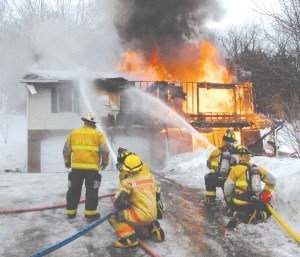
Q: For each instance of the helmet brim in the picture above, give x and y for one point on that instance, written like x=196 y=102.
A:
x=84 y=119
x=230 y=140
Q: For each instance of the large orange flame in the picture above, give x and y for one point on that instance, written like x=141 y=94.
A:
x=191 y=63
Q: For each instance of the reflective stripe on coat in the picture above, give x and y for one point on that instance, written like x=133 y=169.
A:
x=82 y=148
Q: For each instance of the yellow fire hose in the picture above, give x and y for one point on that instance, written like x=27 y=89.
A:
x=283 y=224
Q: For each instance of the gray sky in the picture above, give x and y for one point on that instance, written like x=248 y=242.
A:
x=239 y=12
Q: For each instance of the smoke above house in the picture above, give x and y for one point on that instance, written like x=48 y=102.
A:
x=163 y=26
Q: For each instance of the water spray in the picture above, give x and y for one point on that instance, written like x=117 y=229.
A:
x=82 y=84
x=160 y=110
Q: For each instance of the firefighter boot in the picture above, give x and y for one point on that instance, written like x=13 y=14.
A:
x=156 y=232
x=260 y=216
x=229 y=210
x=238 y=218
x=126 y=242
x=208 y=200
x=91 y=218
x=71 y=216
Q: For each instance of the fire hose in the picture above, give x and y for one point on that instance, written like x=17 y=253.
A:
x=75 y=236
x=85 y=230
x=148 y=249
x=283 y=224
x=80 y=233
x=47 y=207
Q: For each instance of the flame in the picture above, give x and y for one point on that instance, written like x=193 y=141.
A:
x=190 y=63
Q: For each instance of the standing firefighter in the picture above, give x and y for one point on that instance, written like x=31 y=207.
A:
x=219 y=163
x=83 y=151
x=243 y=189
x=136 y=202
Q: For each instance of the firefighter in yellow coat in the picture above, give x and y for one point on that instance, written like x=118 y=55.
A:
x=136 y=202
x=216 y=162
x=243 y=189
x=122 y=154
x=85 y=149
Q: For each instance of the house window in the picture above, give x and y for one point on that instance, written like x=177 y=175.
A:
x=64 y=98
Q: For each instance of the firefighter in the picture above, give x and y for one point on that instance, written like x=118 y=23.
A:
x=136 y=202
x=85 y=152
x=217 y=175
x=122 y=154
x=243 y=189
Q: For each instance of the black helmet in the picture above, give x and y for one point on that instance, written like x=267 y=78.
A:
x=229 y=137
x=122 y=154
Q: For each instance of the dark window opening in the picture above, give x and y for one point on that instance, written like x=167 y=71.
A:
x=64 y=98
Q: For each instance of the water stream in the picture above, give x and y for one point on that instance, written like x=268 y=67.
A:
x=150 y=106
x=84 y=84
x=141 y=103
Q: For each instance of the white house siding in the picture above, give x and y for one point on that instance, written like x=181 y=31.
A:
x=40 y=116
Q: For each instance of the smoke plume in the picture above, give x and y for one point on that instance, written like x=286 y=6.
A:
x=163 y=25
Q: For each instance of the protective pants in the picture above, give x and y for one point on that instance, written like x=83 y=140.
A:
x=212 y=181
x=92 y=183
x=254 y=212
x=126 y=221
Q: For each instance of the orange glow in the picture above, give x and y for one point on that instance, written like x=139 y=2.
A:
x=191 y=63
x=222 y=100
x=207 y=104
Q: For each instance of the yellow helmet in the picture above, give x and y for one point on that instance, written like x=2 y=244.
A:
x=243 y=152
x=241 y=149
x=90 y=117
x=132 y=163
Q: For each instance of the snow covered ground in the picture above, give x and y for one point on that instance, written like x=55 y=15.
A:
x=27 y=233
x=190 y=168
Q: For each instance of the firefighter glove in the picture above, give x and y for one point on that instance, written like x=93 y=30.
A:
x=122 y=200
x=119 y=166
x=266 y=197
x=104 y=162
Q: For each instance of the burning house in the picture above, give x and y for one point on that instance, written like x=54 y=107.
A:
x=208 y=96
x=161 y=59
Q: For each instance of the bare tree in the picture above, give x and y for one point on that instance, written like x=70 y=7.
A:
x=239 y=40
x=27 y=26
x=289 y=112
x=5 y=118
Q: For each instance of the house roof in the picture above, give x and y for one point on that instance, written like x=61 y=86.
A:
x=51 y=76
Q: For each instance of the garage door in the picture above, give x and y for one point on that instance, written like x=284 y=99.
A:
x=138 y=145
x=51 y=154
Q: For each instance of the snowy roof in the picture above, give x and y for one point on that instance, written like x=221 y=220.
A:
x=51 y=76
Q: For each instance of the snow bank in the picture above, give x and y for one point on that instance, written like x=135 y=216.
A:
x=13 y=154
x=190 y=168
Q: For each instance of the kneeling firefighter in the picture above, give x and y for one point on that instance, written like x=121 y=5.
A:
x=122 y=154
x=136 y=202
x=219 y=163
x=243 y=189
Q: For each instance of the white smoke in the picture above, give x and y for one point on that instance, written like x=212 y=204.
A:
x=54 y=35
